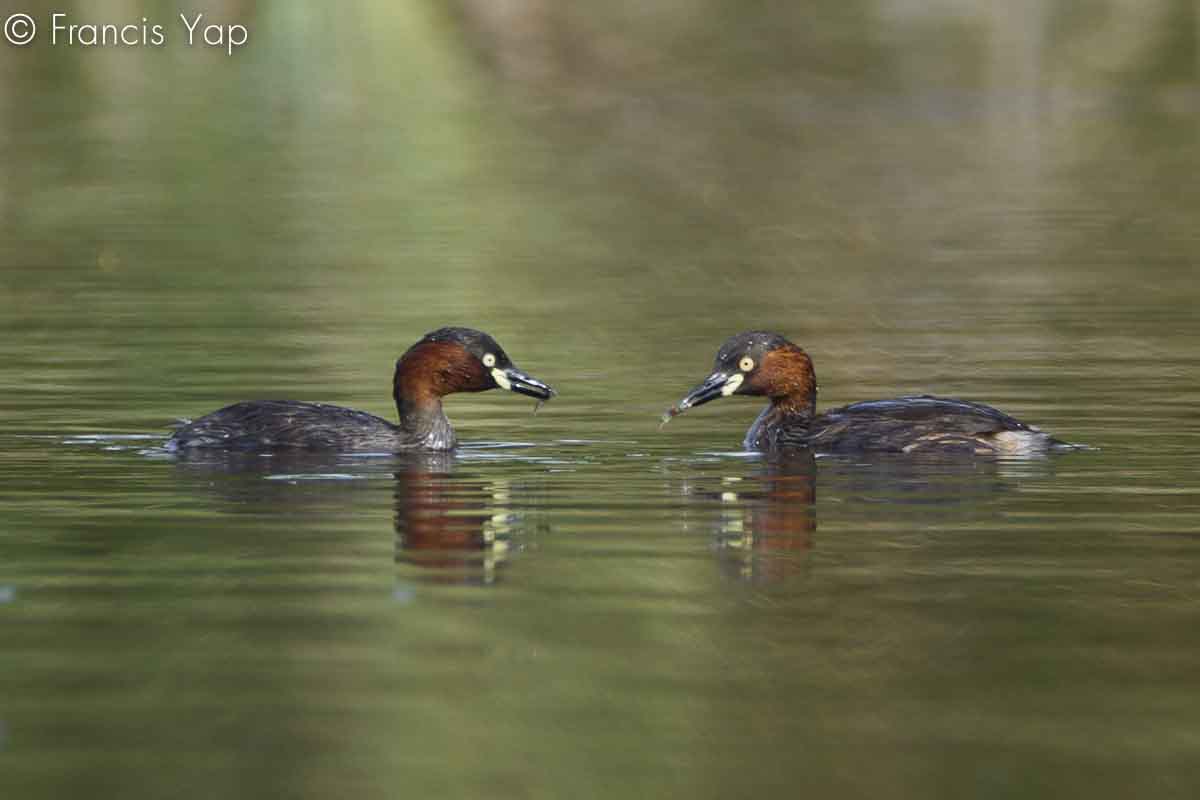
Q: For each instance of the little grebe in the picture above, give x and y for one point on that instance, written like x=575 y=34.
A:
x=765 y=364
x=445 y=361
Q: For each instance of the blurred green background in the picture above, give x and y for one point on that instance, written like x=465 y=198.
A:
x=604 y=182
x=991 y=200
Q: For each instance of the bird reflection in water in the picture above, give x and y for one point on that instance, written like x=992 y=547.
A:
x=767 y=518
x=453 y=526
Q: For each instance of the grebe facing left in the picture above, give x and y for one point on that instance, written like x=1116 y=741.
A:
x=445 y=361
x=760 y=363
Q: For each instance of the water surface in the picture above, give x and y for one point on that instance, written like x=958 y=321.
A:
x=576 y=603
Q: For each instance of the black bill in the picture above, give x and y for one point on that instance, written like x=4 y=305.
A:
x=514 y=380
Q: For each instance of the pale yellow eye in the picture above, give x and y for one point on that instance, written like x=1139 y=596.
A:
x=746 y=364
x=489 y=360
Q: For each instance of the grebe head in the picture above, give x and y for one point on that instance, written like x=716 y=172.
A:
x=452 y=360
x=758 y=363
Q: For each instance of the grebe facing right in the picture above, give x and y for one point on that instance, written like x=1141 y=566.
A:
x=760 y=363
x=445 y=361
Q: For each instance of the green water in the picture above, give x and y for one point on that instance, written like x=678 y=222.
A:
x=994 y=206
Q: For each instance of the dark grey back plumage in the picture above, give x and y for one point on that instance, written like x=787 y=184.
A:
x=291 y=424
x=903 y=424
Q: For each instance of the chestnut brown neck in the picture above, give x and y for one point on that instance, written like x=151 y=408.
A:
x=418 y=387
x=792 y=383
